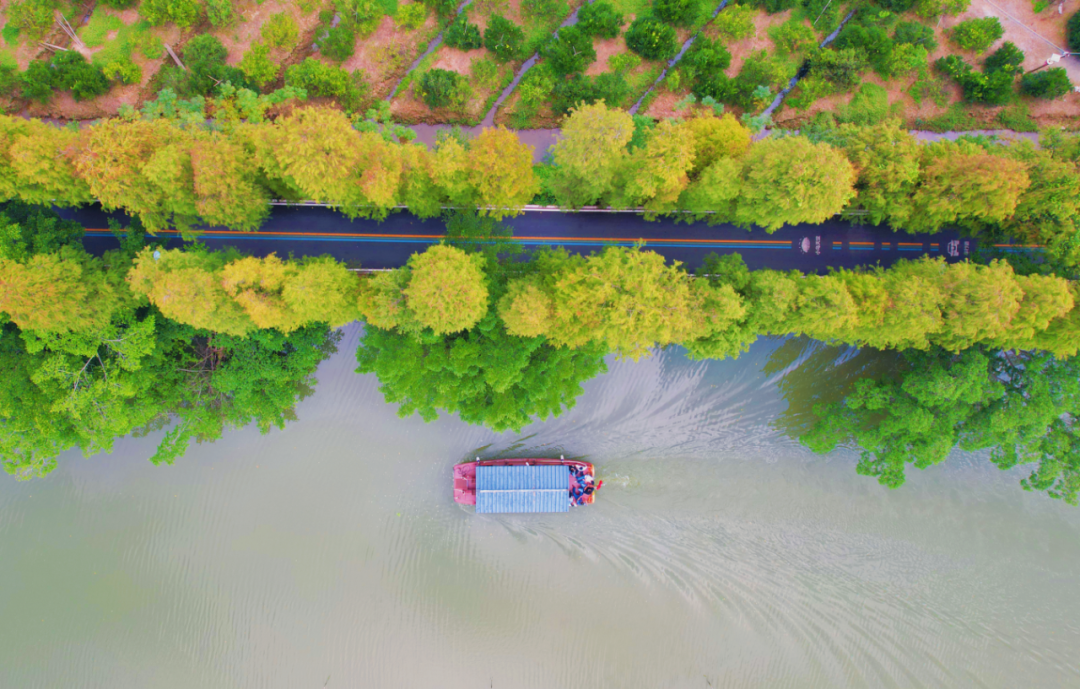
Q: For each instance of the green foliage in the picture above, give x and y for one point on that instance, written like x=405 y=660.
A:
x=486 y=73
x=26 y=230
x=339 y=43
x=992 y=86
x=64 y=71
x=183 y=13
x=868 y=106
x=792 y=37
x=569 y=51
x=931 y=9
x=441 y=88
x=677 y=12
x=204 y=55
x=908 y=59
x=545 y=10
x=411 y=16
x=600 y=18
x=33 y=18
x=610 y=87
x=871 y=43
x=503 y=38
x=485 y=376
x=1072 y=29
x=463 y=35
x=1020 y=405
x=125 y=70
x=843 y=68
x=280 y=31
x=1051 y=83
x=219 y=12
x=651 y=39
x=914 y=33
x=257 y=65
x=977 y=34
x=735 y=22
x=320 y=79
x=624 y=62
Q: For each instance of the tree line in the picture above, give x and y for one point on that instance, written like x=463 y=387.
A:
x=198 y=341
x=175 y=173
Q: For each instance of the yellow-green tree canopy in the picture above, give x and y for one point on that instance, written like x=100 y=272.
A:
x=789 y=180
x=716 y=138
x=657 y=173
x=526 y=309
x=447 y=289
x=186 y=286
x=501 y=172
x=590 y=152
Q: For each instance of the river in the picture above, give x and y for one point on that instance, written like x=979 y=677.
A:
x=719 y=554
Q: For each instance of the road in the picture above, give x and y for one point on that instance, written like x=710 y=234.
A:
x=313 y=230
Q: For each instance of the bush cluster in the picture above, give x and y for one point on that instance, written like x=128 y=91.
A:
x=440 y=88
x=977 y=34
x=64 y=71
x=992 y=86
x=503 y=38
x=652 y=39
x=462 y=34
x=601 y=19
x=321 y=79
x=1049 y=84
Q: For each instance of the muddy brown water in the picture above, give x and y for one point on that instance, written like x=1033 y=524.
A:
x=720 y=554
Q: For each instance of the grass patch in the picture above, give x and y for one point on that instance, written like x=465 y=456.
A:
x=96 y=31
x=129 y=39
x=10 y=34
x=1017 y=118
x=956 y=119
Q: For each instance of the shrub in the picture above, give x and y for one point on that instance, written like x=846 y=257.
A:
x=321 y=79
x=651 y=39
x=1073 y=30
x=411 y=16
x=569 y=51
x=281 y=31
x=463 y=35
x=257 y=65
x=935 y=8
x=677 y=12
x=9 y=80
x=37 y=82
x=503 y=38
x=896 y=6
x=624 y=62
x=1007 y=58
x=444 y=8
x=706 y=56
x=440 y=88
x=124 y=70
x=992 y=86
x=485 y=73
x=33 y=18
x=340 y=43
x=841 y=67
x=914 y=33
x=204 y=57
x=600 y=19
x=757 y=78
x=183 y=13
x=118 y=4
x=977 y=34
x=735 y=23
x=75 y=74
x=793 y=36
x=871 y=42
x=1052 y=83
x=774 y=6
x=907 y=59
x=610 y=87
x=219 y=12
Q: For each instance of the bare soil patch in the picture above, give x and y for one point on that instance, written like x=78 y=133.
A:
x=251 y=16
x=607 y=47
x=386 y=54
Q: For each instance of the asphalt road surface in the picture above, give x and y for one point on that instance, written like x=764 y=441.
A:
x=314 y=230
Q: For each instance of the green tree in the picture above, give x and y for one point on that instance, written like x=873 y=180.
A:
x=257 y=65
x=503 y=38
x=280 y=31
x=1020 y=405
x=600 y=18
x=790 y=180
x=590 y=152
x=1050 y=84
x=651 y=39
x=569 y=51
x=483 y=375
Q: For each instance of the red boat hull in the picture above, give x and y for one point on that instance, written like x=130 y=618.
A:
x=465 y=475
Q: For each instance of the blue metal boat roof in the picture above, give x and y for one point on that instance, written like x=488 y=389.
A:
x=521 y=488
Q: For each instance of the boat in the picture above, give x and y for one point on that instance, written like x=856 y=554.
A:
x=524 y=485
